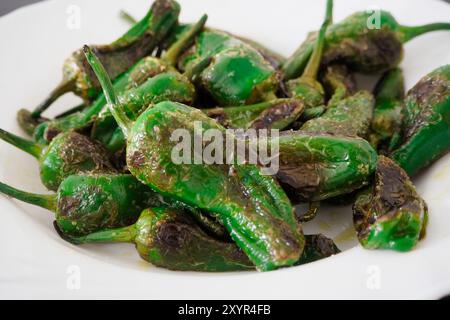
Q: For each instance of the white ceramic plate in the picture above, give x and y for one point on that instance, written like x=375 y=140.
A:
x=35 y=263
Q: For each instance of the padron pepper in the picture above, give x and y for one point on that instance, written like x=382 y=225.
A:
x=387 y=117
x=117 y=57
x=236 y=74
x=360 y=44
x=425 y=133
x=318 y=166
x=171 y=239
x=389 y=214
x=87 y=203
x=252 y=207
x=69 y=153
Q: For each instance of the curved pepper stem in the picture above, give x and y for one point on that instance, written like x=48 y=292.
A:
x=125 y=234
x=312 y=68
x=111 y=97
x=44 y=201
x=62 y=88
x=409 y=33
x=127 y=17
x=171 y=55
x=28 y=146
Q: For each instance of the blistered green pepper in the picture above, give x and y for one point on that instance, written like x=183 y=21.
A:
x=118 y=56
x=360 y=43
x=350 y=116
x=315 y=167
x=171 y=239
x=425 y=133
x=317 y=247
x=389 y=214
x=87 y=203
x=387 y=117
x=68 y=153
x=237 y=73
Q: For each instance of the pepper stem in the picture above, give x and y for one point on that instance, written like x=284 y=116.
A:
x=198 y=68
x=125 y=234
x=409 y=33
x=111 y=97
x=71 y=111
x=172 y=54
x=127 y=17
x=41 y=200
x=28 y=146
x=312 y=68
x=62 y=88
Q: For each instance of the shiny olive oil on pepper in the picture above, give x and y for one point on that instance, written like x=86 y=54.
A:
x=425 y=133
x=68 y=153
x=352 y=43
x=118 y=56
x=390 y=214
x=87 y=203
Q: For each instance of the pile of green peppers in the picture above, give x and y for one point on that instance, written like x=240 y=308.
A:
x=110 y=164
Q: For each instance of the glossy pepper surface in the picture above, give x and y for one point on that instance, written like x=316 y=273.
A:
x=425 y=134
x=315 y=167
x=363 y=49
x=87 y=203
x=389 y=214
x=118 y=56
x=68 y=153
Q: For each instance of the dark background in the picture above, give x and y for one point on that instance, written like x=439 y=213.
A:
x=9 y=5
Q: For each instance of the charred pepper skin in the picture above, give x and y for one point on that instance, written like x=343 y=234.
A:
x=237 y=73
x=350 y=116
x=425 y=134
x=362 y=49
x=317 y=247
x=315 y=167
x=274 y=114
x=118 y=56
x=69 y=153
x=171 y=239
x=87 y=203
x=387 y=117
x=390 y=214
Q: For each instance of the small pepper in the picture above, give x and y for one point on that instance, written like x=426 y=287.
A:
x=118 y=56
x=350 y=116
x=315 y=167
x=171 y=239
x=68 y=153
x=353 y=43
x=425 y=133
x=389 y=214
x=387 y=117
x=87 y=203
x=237 y=73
